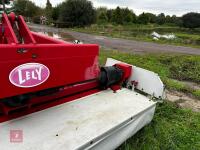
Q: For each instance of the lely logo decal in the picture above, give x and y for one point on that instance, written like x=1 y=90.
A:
x=29 y=75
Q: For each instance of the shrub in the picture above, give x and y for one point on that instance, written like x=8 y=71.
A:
x=36 y=19
x=77 y=13
x=191 y=20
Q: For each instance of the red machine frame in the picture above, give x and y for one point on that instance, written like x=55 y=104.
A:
x=74 y=68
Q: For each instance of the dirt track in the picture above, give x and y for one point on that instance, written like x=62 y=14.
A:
x=121 y=44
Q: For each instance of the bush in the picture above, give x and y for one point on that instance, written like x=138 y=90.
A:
x=36 y=19
x=26 y=8
x=102 y=18
x=143 y=18
x=77 y=13
x=117 y=16
x=161 y=19
x=191 y=20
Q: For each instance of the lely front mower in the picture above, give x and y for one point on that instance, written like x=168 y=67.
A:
x=56 y=94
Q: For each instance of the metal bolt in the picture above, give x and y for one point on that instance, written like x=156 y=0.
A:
x=34 y=56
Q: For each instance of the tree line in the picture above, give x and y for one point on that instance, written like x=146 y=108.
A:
x=127 y=16
x=82 y=13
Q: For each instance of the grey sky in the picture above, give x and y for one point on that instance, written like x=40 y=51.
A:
x=177 y=7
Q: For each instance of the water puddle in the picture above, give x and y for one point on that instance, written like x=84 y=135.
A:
x=58 y=35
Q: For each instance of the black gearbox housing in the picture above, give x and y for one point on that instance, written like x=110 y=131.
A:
x=110 y=76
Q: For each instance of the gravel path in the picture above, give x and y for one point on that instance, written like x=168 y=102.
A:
x=121 y=44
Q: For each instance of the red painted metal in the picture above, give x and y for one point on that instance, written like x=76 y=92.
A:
x=115 y=88
x=127 y=70
x=25 y=110
x=24 y=31
x=63 y=92
x=7 y=32
x=68 y=64
x=73 y=68
x=42 y=39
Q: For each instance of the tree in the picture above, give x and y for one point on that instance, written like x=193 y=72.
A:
x=3 y=3
x=56 y=12
x=77 y=13
x=134 y=18
x=102 y=18
x=127 y=15
x=101 y=10
x=117 y=16
x=173 y=20
x=109 y=14
x=152 y=17
x=176 y=20
x=191 y=20
x=48 y=11
x=102 y=15
x=143 y=18
x=168 y=19
x=161 y=19
x=26 y=8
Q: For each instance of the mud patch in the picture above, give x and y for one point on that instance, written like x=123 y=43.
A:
x=183 y=101
x=192 y=85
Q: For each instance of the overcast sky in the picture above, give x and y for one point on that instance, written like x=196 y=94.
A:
x=177 y=7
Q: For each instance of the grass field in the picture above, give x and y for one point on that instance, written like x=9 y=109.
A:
x=172 y=128
x=185 y=37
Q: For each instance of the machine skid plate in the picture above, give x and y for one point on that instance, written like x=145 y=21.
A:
x=100 y=121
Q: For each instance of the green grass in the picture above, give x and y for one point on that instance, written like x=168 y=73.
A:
x=196 y=93
x=185 y=37
x=179 y=67
x=171 y=68
x=171 y=129
x=177 y=86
